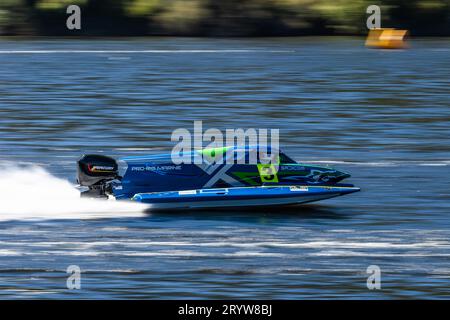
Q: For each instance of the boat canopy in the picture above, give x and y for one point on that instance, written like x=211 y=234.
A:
x=213 y=154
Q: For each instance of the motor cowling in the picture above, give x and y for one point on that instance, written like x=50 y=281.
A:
x=95 y=172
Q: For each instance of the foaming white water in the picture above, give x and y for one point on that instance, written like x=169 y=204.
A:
x=31 y=193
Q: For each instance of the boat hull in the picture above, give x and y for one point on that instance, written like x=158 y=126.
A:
x=241 y=197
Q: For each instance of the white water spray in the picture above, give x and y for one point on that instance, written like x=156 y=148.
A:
x=31 y=193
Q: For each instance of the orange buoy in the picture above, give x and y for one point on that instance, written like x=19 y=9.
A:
x=386 y=38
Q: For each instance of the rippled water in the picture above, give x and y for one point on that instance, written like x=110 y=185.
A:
x=383 y=116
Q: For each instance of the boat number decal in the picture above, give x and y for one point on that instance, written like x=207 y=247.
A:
x=268 y=172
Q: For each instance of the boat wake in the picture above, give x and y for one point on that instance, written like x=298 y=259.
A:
x=32 y=193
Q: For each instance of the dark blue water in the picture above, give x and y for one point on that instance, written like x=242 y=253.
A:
x=382 y=116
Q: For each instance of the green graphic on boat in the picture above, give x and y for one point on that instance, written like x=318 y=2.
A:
x=268 y=172
x=214 y=154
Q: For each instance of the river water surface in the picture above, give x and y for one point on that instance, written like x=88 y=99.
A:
x=382 y=116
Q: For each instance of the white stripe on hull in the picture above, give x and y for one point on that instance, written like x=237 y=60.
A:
x=243 y=203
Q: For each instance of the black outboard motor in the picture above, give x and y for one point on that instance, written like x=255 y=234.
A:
x=96 y=172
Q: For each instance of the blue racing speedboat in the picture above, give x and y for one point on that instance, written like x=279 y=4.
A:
x=205 y=182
